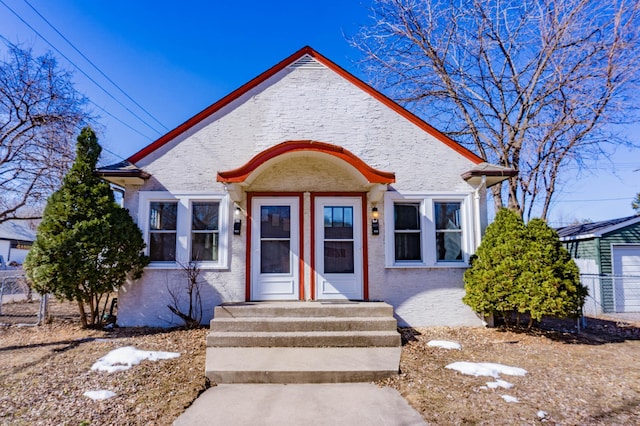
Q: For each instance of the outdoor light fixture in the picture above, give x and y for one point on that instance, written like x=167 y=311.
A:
x=375 y=225
x=237 y=221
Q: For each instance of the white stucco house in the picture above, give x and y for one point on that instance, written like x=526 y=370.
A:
x=307 y=184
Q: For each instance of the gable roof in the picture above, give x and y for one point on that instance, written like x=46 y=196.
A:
x=11 y=230
x=595 y=229
x=279 y=67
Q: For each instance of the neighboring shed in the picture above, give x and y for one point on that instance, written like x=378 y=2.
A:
x=612 y=247
x=15 y=242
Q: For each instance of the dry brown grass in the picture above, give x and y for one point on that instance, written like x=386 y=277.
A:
x=587 y=379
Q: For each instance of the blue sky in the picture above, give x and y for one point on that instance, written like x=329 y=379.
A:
x=176 y=58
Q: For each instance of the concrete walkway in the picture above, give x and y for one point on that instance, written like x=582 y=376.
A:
x=300 y=404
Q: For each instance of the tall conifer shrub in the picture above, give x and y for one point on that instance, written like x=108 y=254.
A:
x=86 y=244
x=523 y=269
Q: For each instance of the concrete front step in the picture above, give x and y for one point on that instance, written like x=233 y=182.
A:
x=304 y=339
x=303 y=309
x=247 y=324
x=301 y=365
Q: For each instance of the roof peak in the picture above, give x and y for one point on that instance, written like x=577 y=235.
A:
x=291 y=59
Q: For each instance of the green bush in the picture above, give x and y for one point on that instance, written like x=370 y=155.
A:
x=523 y=269
x=86 y=245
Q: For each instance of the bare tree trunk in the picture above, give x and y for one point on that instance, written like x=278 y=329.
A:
x=83 y=315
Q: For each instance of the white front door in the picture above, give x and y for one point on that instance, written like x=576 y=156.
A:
x=275 y=248
x=338 y=248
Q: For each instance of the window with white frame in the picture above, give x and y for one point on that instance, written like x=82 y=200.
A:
x=427 y=230
x=407 y=235
x=448 y=231
x=182 y=228
x=163 y=217
x=205 y=230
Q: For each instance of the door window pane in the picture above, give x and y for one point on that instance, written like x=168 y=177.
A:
x=448 y=231
x=338 y=257
x=338 y=223
x=275 y=222
x=275 y=257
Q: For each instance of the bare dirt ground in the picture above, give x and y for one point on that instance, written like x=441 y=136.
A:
x=588 y=379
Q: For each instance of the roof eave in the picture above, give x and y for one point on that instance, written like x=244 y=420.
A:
x=124 y=178
x=490 y=176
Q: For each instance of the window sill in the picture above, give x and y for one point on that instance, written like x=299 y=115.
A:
x=452 y=265
x=176 y=266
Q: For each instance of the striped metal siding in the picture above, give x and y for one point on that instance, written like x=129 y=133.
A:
x=626 y=235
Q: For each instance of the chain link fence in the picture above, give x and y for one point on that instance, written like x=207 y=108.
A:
x=611 y=293
x=19 y=304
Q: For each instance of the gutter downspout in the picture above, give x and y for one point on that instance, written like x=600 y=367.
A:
x=478 y=224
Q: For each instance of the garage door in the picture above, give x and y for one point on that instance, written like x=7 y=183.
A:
x=626 y=270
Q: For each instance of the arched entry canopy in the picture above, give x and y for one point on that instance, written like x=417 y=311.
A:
x=243 y=176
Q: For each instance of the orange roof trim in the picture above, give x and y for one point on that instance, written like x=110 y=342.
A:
x=242 y=173
x=279 y=67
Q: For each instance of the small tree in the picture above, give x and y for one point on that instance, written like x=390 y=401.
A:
x=523 y=269
x=635 y=204
x=86 y=244
x=193 y=314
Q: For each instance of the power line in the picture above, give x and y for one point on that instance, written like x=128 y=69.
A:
x=121 y=122
x=591 y=201
x=96 y=67
x=6 y=40
x=78 y=68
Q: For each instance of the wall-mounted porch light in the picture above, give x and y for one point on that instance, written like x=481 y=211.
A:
x=375 y=225
x=237 y=220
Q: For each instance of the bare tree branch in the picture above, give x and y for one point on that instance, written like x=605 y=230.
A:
x=40 y=112
x=535 y=85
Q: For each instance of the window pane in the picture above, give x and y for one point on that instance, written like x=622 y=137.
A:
x=407 y=216
x=204 y=246
x=447 y=215
x=274 y=257
x=338 y=222
x=338 y=257
x=162 y=215
x=408 y=246
x=449 y=245
x=205 y=216
x=162 y=246
x=275 y=222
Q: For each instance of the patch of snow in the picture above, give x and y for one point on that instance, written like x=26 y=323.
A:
x=124 y=358
x=510 y=398
x=542 y=414
x=99 y=395
x=499 y=384
x=485 y=369
x=444 y=344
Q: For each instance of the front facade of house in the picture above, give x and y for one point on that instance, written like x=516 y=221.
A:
x=608 y=254
x=306 y=184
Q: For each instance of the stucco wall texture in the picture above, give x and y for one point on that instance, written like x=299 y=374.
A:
x=305 y=103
